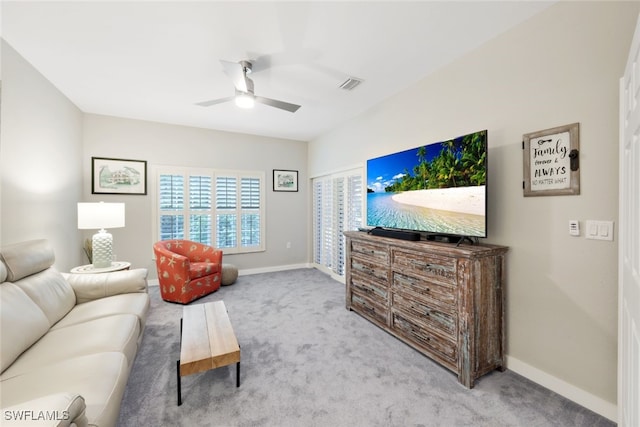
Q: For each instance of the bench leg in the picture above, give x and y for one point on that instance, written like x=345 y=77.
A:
x=178 y=370
x=179 y=382
x=238 y=374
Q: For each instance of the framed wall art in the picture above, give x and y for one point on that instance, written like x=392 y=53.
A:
x=285 y=180
x=118 y=176
x=551 y=160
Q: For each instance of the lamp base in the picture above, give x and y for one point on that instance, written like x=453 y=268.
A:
x=102 y=243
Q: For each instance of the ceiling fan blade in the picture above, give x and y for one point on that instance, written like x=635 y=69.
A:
x=215 y=101
x=236 y=72
x=278 y=104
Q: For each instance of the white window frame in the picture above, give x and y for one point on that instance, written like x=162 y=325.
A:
x=186 y=212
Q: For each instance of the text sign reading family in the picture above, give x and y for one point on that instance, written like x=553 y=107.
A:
x=550 y=162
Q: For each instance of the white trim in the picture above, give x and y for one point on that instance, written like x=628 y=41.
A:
x=272 y=269
x=329 y=272
x=581 y=397
x=338 y=171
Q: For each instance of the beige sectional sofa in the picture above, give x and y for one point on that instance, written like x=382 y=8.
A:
x=67 y=341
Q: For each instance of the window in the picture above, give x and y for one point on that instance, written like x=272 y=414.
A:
x=337 y=207
x=223 y=207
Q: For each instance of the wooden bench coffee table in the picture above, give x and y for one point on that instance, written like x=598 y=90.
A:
x=207 y=341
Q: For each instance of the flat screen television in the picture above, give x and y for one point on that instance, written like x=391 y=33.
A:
x=439 y=189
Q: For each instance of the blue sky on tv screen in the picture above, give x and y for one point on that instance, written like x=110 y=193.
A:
x=383 y=171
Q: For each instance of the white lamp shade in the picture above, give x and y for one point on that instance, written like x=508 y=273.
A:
x=101 y=215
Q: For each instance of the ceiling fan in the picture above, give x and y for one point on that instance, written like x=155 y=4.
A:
x=245 y=97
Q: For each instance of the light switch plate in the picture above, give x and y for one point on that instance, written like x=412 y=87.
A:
x=600 y=230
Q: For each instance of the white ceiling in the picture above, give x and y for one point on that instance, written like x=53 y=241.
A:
x=155 y=60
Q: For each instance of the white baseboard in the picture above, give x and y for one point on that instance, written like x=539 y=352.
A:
x=581 y=397
x=246 y=272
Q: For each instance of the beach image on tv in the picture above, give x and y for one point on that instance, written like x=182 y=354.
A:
x=438 y=188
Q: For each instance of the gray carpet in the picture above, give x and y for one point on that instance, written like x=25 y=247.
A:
x=307 y=361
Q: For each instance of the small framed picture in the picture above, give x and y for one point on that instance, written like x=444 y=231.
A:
x=118 y=176
x=285 y=180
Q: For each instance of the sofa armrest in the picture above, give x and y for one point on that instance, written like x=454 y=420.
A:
x=55 y=410
x=88 y=287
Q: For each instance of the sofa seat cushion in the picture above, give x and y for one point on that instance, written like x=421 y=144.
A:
x=136 y=304
x=113 y=333
x=201 y=269
x=99 y=378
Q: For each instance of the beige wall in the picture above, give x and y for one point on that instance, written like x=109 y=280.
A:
x=560 y=67
x=40 y=152
x=171 y=145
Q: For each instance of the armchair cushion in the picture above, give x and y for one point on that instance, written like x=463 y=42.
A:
x=201 y=269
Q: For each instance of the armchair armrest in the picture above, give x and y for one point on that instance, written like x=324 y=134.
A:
x=88 y=287
x=59 y=410
x=177 y=263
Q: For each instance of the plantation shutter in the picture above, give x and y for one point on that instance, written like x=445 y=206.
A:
x=226 y=212
x=200 y=207
x=250 y=195
x=220 y=209
x=171 y=206
x=337 y=208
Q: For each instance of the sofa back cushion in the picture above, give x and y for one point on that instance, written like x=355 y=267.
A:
x=29 y=268
x=51 y=292
x=22 y=323
x=26 y=258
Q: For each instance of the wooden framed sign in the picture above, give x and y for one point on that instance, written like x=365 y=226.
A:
x=551 y=161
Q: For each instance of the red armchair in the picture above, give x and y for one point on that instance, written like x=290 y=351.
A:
x=187 y=270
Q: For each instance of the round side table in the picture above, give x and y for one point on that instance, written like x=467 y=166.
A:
x=90 y=269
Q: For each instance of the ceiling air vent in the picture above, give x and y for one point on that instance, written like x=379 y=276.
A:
x=350 y=84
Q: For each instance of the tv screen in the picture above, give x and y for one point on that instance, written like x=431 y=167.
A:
x=439 y=188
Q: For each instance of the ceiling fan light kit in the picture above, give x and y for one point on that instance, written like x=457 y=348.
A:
x=245 y=97
x=245 y=100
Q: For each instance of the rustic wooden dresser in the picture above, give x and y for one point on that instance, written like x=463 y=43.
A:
x=446 y=301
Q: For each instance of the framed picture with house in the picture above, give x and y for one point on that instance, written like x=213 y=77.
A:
x=118 y=176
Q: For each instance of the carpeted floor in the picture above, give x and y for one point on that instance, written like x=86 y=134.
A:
x=307 y=361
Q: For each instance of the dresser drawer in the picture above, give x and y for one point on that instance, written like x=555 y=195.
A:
x=443 y=320
x=441 y=348
x=369 y=308
x=442 y=295
x=371 y=288
x=440 y=269
x=365 y=267
x=379 y=253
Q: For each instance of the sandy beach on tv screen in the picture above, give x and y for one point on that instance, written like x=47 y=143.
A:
x=469 y=200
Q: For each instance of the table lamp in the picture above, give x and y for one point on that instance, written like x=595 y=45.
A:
x=101 y=216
